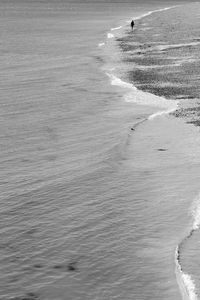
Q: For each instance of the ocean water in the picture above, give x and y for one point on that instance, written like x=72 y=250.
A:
x=99 y=182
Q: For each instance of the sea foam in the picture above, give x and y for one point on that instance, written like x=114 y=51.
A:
x=144 y=98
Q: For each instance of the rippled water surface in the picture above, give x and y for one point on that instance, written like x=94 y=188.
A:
x=97 y=179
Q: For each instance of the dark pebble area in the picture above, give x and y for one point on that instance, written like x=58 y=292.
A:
x=191 y=114
x=169 y=72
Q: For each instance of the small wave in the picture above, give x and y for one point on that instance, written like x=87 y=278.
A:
x=116 y=28
x=110 y=35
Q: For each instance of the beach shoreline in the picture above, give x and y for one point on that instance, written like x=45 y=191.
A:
x=185 y=109
x=97 y=175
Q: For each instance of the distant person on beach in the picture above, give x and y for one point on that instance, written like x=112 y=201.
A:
x=132 y=24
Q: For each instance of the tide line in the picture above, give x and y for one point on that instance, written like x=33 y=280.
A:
x=155 y=11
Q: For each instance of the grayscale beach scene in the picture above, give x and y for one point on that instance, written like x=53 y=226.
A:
x=99 y=150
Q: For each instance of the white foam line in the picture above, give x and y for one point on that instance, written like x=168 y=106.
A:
x=143 y=98
x=161 y=113
x=117 y=81
x=116 y=28
x=154 y=11
x=110 y=35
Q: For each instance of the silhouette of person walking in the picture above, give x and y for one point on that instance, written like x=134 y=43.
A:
x=132 y=24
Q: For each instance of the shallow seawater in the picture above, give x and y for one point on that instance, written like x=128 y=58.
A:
x=96 y=182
